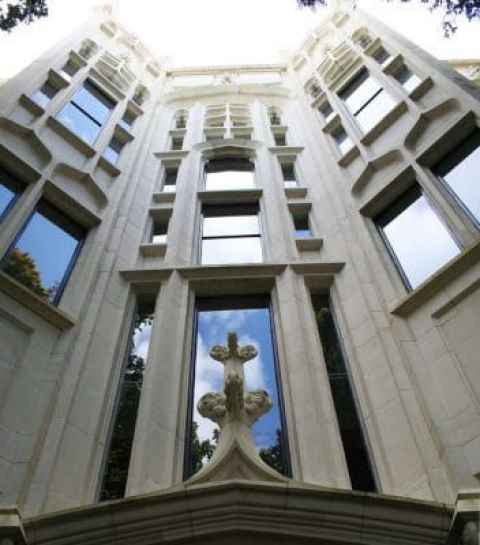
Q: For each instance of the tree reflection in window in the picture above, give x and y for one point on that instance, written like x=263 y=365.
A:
x=44 y=253
x=123 y=430
x=250 y=318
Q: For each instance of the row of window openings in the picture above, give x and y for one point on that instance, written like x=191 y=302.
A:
x=367 y=102
x=413 y=232
x=251 y=318
x=86 y=114
x=229 y=179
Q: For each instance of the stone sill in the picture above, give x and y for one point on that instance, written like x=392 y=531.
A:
x=296 y=192
x=163 y=197
x=385 y=123
x=421 y=89
x=437 y=281
x=153 y=250
x=288 y=151
x=31 y=105
x=230 y=196
x=312 y=244
x=348 y=157
x=172 y=155
x=302 y=207
x=32 y=302
x=108 y=166
x=71 y=137
x=332 y=123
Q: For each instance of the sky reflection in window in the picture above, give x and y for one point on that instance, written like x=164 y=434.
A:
x=42 y=255
x=420 y=241
x=252 y=326
x=6 y=197
x=229 y=179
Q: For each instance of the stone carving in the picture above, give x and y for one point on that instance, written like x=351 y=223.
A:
x=235 y=411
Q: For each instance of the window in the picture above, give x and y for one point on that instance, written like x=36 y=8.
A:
x=69 y=69
x=280 y=138
x=231 y=235
x=45 y=94
x=288 y=173
x=177 y=143
x=112 y=152
x=250 y=318
x=326 y=110
x=348 y=416
x=381 y=55
x=416 y=238
x=127 y=120
x=407 y=78
x=302 y=226
x=274 y=117
x=366 y=100
x=119 y=450
x=460 y=172
x=181 y=119
x=159 y=232
x=224 y=174
x=342 y=140
x=10 y=189
x=44 y=253
x=170 y=180
x=87 y=112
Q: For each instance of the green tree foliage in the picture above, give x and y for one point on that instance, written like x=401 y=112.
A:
x=202 y=450
x=451 y=8
x=273 y=455
x=22 y=267
x=21 y=11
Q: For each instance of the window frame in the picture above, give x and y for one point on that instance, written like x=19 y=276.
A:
x=393 y=210
x=445 y=187
x=235 y=164
x=72 y=225
x=17 y=189
x=234 y=302
x=85 y=84
x=227 y=209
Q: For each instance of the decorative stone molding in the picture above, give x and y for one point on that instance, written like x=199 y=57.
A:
x=88 y=49
x=465 y=527
x=376 y=167
x=11 y=527
x=235 y=411
x=141 y=95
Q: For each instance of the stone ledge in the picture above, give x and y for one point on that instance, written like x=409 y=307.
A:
x=385 y=123
x=296 y=192
x=229 y=196
x=250 y=512
x=288 y=151
x=70 y=137
x=449 y=272
x=32 y=302
x=11 y=527
x=153 y=250
x=312 y=244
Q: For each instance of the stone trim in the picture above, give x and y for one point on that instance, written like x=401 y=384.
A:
x=32 y=302
x=229 y=196
x=449 y=272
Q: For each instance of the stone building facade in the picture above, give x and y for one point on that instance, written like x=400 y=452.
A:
x=336 y=195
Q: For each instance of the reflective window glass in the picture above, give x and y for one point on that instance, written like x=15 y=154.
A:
x=408 y=79
x=418 y=240
x=44 y=253
x=231 y=235
x=348 y=416
x=86 y=113
x=45 y=94
x=170 y=180
x=9 y=190
x=302 y=227
x=112 y=152
x=342 y=140
x=374 y=111
x=159 y=233
x=229 y=179
x=460 y=171
x=119 y=450
x=250 y=319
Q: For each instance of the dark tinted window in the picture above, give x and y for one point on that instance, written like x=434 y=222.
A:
x=348 y=416
x=10 y=188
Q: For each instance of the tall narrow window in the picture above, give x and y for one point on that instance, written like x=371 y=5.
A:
x=159 y=232
x=10 y=188
x=250 y=319
x=170 y=180
x=460 y=172
x=302 y=225
x=416 y=238
x=280 y=138
x=381 y=55
x=44 y=253
x=123 y=430
x=367 y=100
x=177 y=143
x=45 y=94
x=231 y=235
x=227 y=174
x=407 y=78
x=342 y=140
x=348 y=416
x=113 y=150
x=288 y=173
x=87 y=112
